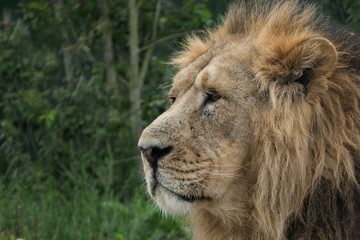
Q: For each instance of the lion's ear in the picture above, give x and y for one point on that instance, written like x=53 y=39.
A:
x=284 y=63
x=318 y=54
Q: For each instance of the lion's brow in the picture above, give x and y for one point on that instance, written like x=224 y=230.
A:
x=186 y=78
x=204 y=80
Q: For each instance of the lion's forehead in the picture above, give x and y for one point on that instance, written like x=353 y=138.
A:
x=214 y=67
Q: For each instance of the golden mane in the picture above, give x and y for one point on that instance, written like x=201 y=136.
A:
x=274 y=20
x=306 y=154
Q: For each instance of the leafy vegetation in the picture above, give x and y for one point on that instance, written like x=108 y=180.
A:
x=71 y=111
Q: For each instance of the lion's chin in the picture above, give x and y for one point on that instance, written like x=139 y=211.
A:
x=168 y=201
x=171 y=203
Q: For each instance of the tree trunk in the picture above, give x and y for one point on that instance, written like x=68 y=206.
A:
x=137 y=75
x=107 y=34
x=135 y=83
x=7 y=18
x=65 y=48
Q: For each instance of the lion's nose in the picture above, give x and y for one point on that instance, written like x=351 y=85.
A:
x=153 y=154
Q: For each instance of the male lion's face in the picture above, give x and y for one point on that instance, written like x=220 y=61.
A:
x=197 y=149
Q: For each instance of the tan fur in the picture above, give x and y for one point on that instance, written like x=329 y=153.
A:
x=274 y=153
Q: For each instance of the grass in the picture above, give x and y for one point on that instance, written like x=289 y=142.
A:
x=41 y=214
x=37 y=206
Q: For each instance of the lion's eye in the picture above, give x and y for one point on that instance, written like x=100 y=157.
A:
x=172 y=99
x=211 y=97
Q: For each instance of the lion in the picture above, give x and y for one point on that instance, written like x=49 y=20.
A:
x=261 y=139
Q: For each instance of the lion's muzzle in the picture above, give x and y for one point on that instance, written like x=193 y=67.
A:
x=154 y=153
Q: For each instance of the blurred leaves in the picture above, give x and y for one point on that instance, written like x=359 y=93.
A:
x=66 y=162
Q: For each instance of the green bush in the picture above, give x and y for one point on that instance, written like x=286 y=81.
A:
x=67 y=164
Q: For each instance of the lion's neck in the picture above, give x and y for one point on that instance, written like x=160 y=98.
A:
x=227 y=218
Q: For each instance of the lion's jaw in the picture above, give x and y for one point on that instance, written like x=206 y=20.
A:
x=196 y=151
x=167 y=200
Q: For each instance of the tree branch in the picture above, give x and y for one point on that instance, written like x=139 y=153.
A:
x=124 y=81
x=163 y=39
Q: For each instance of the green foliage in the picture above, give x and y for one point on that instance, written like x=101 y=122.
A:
x=345 y=12
x=86 y=215
x=67 y=167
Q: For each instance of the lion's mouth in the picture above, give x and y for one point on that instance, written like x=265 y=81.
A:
x=155 y=185
x=187 y=198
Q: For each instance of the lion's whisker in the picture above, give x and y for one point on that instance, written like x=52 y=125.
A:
x=219 y=174
x=225 y=154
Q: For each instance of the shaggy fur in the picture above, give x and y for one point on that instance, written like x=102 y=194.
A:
x=300 y=177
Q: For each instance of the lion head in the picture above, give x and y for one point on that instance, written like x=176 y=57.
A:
x=262 y=137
